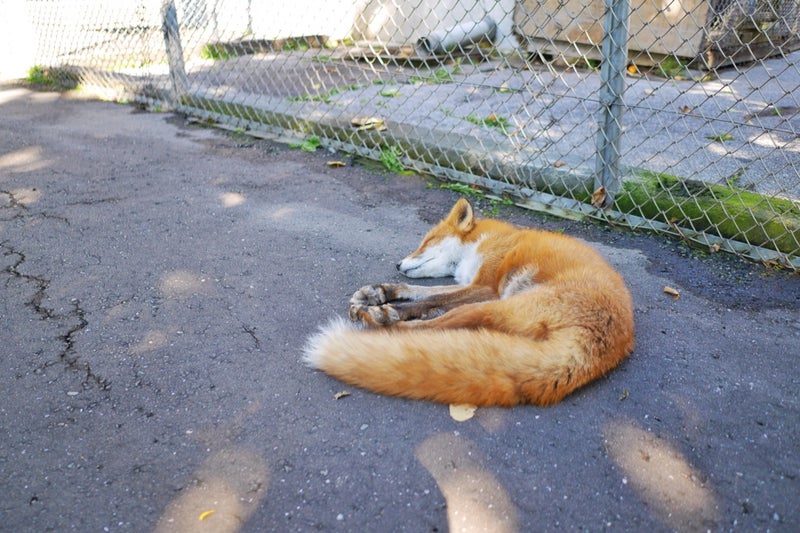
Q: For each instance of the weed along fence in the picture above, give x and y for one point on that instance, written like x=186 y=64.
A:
x=681 y=117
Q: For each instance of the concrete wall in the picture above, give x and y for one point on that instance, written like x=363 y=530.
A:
x=36 y=32
x=397 y=22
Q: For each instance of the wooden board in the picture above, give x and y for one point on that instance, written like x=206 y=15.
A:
x=659 y=27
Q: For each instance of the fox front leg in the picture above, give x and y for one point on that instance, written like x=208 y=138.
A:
x=393 y=292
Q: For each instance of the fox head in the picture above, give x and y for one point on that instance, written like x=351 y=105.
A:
x=444 y=247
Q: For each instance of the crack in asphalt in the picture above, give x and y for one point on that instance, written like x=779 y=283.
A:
x=73 y=360
x=20 y=210
x=14 y=205
x=40 y=283
x=66 y=356
x=252 y=332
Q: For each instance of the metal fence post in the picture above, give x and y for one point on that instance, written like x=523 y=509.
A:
x=612 y=73
x=172 y=42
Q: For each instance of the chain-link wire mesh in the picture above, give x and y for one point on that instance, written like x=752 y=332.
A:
x=680 y=116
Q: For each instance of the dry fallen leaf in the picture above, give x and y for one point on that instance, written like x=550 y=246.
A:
x=714 y=248
x=559 y=164
x=599 y=197
x=206 y=514
x=337 y=164
x=462 y=412
x=368 y=123
x=340 y=395
x=672 y=292
x=685 y=109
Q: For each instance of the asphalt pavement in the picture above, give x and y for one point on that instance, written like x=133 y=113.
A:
x=158 y=280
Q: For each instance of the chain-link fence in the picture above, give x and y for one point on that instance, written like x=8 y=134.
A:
x=680 y=116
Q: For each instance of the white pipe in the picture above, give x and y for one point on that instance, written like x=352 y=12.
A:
x=460 y=36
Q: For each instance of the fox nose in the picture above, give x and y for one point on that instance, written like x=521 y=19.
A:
x=397 y=266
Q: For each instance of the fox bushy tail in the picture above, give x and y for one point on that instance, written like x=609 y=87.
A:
x=456 y=366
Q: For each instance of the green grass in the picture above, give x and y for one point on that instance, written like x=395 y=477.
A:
x=499 y=123
x=390 y=158
x=721 y=138
x=672 y=67
x=52 y=78
x=436 y=76
x=39 y=76
x=327 y=96
x=463 y=189
x=308 y=145
x=475 y=192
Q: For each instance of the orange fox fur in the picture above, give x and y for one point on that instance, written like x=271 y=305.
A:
x=535 y=316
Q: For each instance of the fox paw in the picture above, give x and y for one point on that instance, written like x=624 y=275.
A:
x=369 y=295
x=375 y=315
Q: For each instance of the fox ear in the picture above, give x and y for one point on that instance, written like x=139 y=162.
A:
x=462 y=215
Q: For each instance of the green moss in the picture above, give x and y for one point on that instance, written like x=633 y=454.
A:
x=296 y=44
x=728 y=212
x=223 y=50
x=218 y=51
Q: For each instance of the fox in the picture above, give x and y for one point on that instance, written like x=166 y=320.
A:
x=533 y=315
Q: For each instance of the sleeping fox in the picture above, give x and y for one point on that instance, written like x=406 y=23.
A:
x=533 y=316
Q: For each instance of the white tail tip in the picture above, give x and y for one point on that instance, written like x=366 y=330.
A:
x=314 y=350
